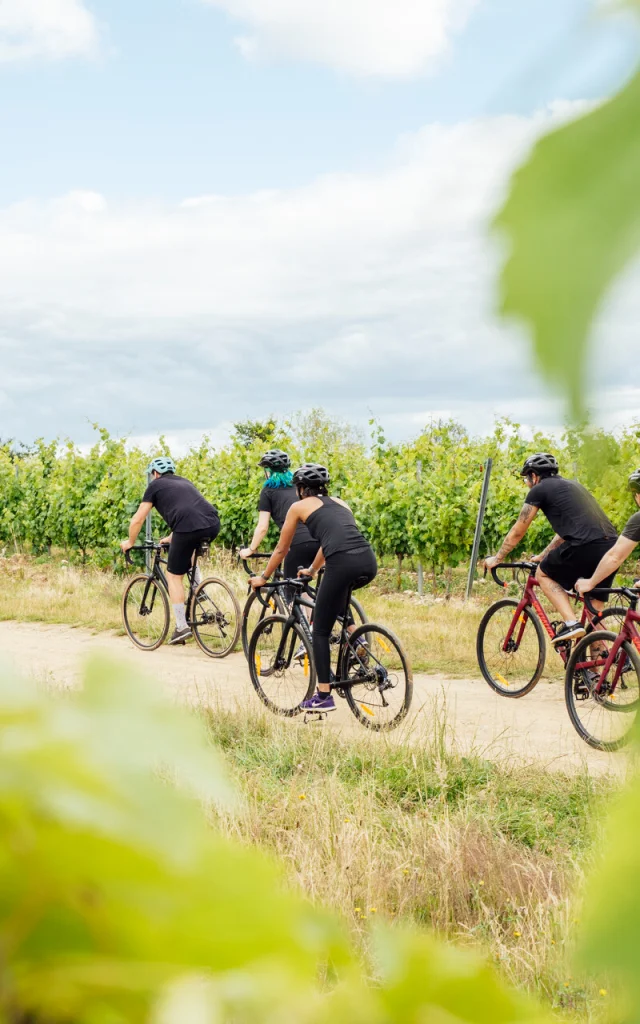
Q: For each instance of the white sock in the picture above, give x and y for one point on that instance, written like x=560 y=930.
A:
x=197 y=576
x=180 y=614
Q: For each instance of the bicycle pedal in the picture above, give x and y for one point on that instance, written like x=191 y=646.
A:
x=314 y=716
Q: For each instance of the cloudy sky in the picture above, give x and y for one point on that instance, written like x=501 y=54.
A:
x=219 y=209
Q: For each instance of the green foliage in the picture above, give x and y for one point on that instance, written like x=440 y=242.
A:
x=418 y=499
x=120 y=903
x=572 y=220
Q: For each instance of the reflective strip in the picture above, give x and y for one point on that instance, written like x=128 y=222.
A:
x=502 y=680
x=367 y=710
x=306 y=664
x=258 y=662
x=383 y=644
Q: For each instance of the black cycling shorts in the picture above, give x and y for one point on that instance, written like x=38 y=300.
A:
x=566 y=564
x=183 y=546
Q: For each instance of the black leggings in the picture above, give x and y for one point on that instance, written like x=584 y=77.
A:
x=343 y=572
x=298 y=555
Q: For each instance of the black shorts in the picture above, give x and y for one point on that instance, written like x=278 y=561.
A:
x=566 y=564
x=183 y=546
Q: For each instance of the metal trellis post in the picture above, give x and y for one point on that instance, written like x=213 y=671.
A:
x=478 y=534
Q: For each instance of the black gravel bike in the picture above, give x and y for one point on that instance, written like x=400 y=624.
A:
x=372 y=672
x=212 y=609
x=272 y=600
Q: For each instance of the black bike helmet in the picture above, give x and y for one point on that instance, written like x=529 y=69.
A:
x=542 y=462
x=275 y=460
x=634 y=481
x=311 y=475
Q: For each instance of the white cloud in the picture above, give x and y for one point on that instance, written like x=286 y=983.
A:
x=358 y=292
x=49 y=29
x=392 y=38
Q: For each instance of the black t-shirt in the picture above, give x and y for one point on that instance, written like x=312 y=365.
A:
x=573 y=513
x=180 y=504
x=277 y=501
x=632 y=529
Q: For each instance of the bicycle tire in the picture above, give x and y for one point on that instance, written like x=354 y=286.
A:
x=370 y=670
x=619 y=713
x=303 y=683
x=612 y=615
x=132 y=624
x=215 y=617
x=498 y=680
x=274 y=605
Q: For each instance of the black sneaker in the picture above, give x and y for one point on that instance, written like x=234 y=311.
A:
x=570 y=631
x=180 y=635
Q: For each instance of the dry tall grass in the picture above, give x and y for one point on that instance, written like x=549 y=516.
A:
x=483 y=853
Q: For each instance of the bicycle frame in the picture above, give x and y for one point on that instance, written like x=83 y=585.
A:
x=628 y=634
x=156 y=573
x=530 y=600
x=298 y=617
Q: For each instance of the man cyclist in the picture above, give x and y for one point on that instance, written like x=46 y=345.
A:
x=191 y=519
x=626 y=542
x=583 y=534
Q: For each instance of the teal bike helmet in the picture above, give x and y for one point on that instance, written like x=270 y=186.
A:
x=161 y=465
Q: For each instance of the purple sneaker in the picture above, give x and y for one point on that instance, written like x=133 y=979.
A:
x=319 y=702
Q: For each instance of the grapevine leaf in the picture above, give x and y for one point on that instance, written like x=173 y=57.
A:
x=573 y=221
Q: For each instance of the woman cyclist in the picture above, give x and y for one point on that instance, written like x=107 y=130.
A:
x=348 y=559
x=276 y=498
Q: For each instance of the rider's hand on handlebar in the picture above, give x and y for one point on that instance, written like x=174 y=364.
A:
x=583 y=586
x=257 y=581
x=307 y=574
x=491 y=562
x=164 y=542
x=126 y=545
x=245 y=552
x=536 y=558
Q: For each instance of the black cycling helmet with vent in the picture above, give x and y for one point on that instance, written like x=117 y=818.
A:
x=275 y=460
x=634 y=481
x=311 y=475
x=540 y=463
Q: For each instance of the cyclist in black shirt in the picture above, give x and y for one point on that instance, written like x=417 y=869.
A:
x=626 y=542
x=348 y=559
x=583 y=534
x=191 y=518
x=276 y=498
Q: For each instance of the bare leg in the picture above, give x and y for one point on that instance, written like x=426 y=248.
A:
x=176 y=588
x=556 y=594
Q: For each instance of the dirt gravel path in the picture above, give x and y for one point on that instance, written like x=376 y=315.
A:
x=535 y=728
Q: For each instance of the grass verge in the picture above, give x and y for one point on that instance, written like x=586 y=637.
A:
x=483 y=853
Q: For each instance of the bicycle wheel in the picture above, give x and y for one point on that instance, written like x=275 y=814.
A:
x=378 y=680
x=281 y=665
x=215 y=617
x=515 y=671
x=612 y=619
x=145 y=612
x=257 y=607
x=604 y=719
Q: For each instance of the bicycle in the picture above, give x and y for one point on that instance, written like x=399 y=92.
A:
x=371 y=666
x=270 y=601
x=213 y=612
x=602 y=683
x=511 y=642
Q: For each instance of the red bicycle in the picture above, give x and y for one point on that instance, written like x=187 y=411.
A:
x=602 y=681
x=511 y=644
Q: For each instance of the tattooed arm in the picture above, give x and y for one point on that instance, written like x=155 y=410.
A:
x=555 y=543
x=514 y=536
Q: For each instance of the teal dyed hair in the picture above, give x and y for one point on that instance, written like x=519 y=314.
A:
x=279 y=479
